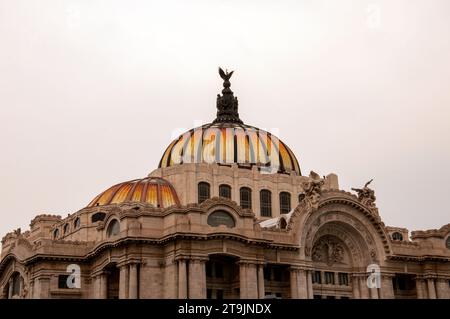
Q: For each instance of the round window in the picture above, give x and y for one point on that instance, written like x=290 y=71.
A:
x=221 y=217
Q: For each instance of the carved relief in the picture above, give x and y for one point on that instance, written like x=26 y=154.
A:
x=313 y=190
x=328 y=250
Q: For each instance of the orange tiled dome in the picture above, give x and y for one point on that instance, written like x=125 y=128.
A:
x=228 y=143
x=151 y=190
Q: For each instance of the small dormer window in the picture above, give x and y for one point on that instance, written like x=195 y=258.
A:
x=397 y=236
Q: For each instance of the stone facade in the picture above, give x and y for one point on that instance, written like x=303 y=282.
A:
x=314 y=251
x=228 y=230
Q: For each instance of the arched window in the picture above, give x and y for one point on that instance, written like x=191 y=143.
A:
x=16 y=282
x=56 y=233
x=113 y=228
x=246 y=197
x=397 y=236
x=285 y=202
x=66 y=228
x=225 y=191
x=221 y=217
x=203 y=192
x=265 y=198
x=447 y=243
x=76 y=223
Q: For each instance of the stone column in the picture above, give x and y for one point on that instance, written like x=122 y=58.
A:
x=133 y=285
x=294 y=283
x=104 y=286
x=363 y=289
x=252 y=281
x=387 y=289
x=197 y=279
x=243 y=280
x=95 y=287
x=431 y=288
x=302 y=281
x=355 y=286
x=182 y=279
x=31 y=293
x=310 y=285
x=442 y=289
x=261 y=287
x=420 y=289
x=123 y=282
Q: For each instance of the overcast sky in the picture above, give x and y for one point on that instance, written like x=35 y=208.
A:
x=91 y=93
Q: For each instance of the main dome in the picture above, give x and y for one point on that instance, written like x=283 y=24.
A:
x=231 y=143
x=227 y=140
x=150 y=190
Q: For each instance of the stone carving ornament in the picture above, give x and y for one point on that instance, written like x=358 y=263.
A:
x=328 y=250
x=313 y=190
x=366 y=195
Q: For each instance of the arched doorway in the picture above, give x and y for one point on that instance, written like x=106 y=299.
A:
x=222 y=277
x=14 y=287
x=340 y=253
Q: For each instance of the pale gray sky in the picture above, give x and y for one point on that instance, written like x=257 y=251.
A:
x=91 y=92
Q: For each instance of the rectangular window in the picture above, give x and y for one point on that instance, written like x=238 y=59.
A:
x=329 y=278
x=343 y=279
x=62 y=281
x=285 y=202
x=316 y=277
x=219 y=294
x=266 y=203
x=246 y=197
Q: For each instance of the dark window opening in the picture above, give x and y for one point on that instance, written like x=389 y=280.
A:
x=329 y=278
x=316 y=278
x=397 y=236
x=343 y=279
x=62 y=281
x=97 y=217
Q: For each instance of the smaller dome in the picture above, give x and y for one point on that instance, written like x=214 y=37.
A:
x=151 y=190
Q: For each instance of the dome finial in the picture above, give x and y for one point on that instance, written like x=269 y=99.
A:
x=227 y=104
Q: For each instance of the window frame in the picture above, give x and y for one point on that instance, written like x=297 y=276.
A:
x=201 y=198
x=248 y=201
x=227 y=188
x=285 y=202
x=265 y=208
